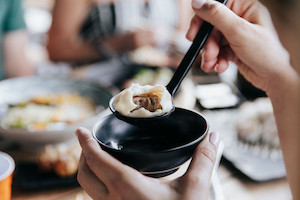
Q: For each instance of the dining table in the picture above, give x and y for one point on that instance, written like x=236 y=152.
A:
x=228 y=183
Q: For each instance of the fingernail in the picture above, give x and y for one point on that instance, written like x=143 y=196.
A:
x=216 y=68
x=187 y=33
x=79 y=129
x=198 y=3
x=202 y=63
x=214 y=138
x=202 y=59
x=76 y=132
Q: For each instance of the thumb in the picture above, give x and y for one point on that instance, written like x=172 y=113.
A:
x=216 y=13
x=200 y=170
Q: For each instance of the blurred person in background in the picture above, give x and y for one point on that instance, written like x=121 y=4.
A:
x=13 y=40
x=245 y=35
x=93 y=30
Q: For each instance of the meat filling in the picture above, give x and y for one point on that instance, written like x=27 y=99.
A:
x=149 y=101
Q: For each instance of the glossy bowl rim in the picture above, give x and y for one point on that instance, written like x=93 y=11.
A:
x=100 y=121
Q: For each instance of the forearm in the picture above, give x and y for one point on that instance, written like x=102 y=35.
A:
x=287 y=114
x=77 y=50
x=64 y=43
x=71 y=50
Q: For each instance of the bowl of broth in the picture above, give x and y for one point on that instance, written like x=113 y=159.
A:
x=157 y=149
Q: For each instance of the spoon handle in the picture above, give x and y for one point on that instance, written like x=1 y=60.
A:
x=190 y=56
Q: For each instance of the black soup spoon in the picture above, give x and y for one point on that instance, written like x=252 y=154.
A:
x=183 y=68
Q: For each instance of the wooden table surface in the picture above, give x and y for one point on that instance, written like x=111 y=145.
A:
x=233 y=187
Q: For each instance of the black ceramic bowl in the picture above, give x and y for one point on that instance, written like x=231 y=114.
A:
x=156 y=150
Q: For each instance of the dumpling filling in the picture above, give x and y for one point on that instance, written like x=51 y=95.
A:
x=148 y=101
x=143 y=101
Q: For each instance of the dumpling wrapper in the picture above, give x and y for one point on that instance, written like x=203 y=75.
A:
x=125 y=102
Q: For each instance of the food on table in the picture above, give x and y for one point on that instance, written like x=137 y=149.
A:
x=143 y=101
x=61 y=159
x=256 y=123
x=146 y=55
x=169 y=54
x=49 y=112
x=151 y=76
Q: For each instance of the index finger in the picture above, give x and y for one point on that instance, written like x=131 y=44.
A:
x=105 y=167
x=194 y=27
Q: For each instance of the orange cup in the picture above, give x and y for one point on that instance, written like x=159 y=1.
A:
x=7 y=167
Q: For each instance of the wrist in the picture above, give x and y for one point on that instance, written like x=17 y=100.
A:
x=285 y=87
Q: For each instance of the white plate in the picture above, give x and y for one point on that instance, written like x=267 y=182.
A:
x=21 y=89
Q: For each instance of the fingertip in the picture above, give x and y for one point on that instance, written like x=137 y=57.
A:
x=189 y=35
x=204 y=158
x=194 y=27
x=219 y=15
x=82 y=131
x=221 y=66
x=208 y=66
x=206 y=69
x=197 y=4
x=78 y=132
x=85 y=138
x=214 y=138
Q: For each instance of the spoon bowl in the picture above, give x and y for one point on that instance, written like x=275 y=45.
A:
x=138 y=121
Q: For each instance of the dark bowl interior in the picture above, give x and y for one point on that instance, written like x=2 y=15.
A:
x=155 y=150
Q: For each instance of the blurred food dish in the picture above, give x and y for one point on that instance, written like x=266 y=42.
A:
x=61 y=159
x=40 y=110
x=150 y=76
x=68 y=108
x=150 y=56
x=168 y=53
x=217 y=96
x=29 y=177
x=251 y=141
x=256 y=124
